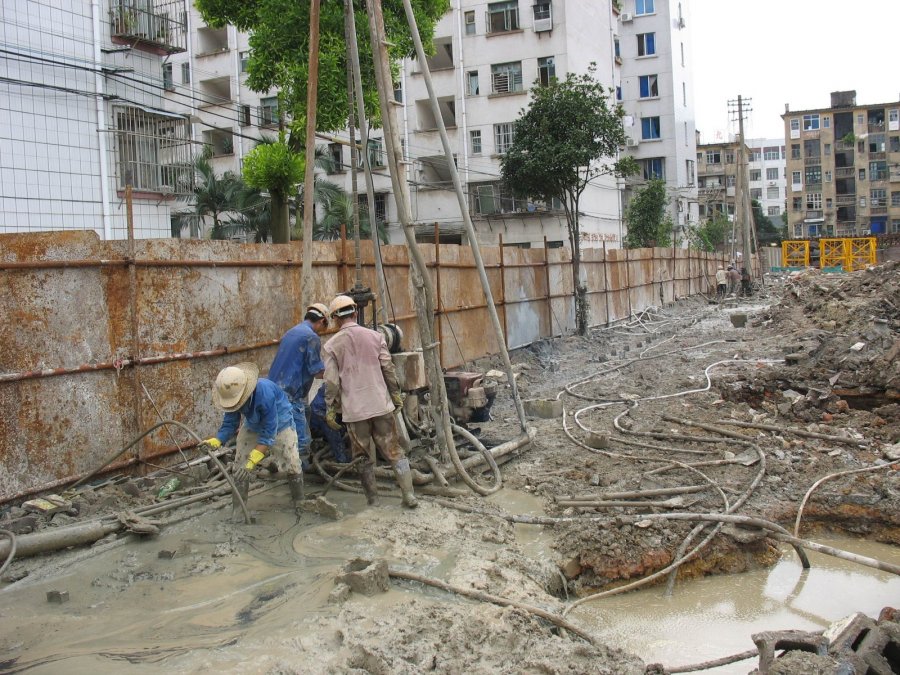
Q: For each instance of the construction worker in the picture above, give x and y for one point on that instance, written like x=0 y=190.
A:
x=721 y=283
x=268 y=427
x=734 y=279
x=319 y=428
x=746 y=286
x=361 y=384
x=297 y=362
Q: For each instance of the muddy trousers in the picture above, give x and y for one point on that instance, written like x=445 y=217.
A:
x=381 y=433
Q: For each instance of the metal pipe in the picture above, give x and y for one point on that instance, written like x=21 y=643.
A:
x=124 y=262
x=464 y=210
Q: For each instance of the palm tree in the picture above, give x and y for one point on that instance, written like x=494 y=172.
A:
x=212 y=195
x=339 y=211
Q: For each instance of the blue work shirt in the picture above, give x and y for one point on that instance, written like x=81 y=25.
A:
x=266 y=412
x=297 y=361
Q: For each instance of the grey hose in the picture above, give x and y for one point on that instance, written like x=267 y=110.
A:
x=12 y=549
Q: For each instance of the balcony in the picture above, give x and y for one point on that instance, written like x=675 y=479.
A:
x=877 y=155
x=814 y=216
x=895 y=176
x=845 y=172
x=878 y=210
x=814 y=160
x=157 y=26
x=845 y=200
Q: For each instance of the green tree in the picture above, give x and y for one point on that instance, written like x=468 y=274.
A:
x=277 y=169
x=711 y=234
x=339 y=211
x=569 y=135
x=648 y=221
x=766 y=231
x=212 y=197
x=279 y=51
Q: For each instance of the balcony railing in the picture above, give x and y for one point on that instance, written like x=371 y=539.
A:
x=845 y=172
x=845 y=200
x=878 y=210
x=159 y=24
x=812 y=160
x=814 y=215
x=877 y=155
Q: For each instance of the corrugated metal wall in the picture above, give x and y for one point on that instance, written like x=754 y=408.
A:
x=89 y=360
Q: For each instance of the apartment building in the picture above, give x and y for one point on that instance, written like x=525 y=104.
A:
x=844 y=168
x=652 y=48
x=768 y=179
x=717 y=174
x=82 y=117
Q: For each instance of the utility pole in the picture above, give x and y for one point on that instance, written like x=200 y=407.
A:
x=312 y=93
x=742 y=192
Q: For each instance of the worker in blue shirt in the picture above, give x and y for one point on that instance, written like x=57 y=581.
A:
x=297 y=362
x=267 y=429
x=334 y=437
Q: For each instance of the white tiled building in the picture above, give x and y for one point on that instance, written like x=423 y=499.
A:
x=768 y=181
x=653 y=47
x=81 y=112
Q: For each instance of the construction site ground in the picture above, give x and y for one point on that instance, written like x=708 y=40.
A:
x=210 y=594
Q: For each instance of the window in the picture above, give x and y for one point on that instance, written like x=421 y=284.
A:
x=862 y=174
x=878 y=197
x=771 y=154
x=650 y=128
x=795 y=151
x=895 y=143
x=878 y=170
x=713 y=156
x=755 y=155
x=814 y=200
x=774 y=211
x=729 y=156
x=618 y=93
x=472 y=83
x=649 y=86
x=811 y=122
x=541 y=11
x=860 y=120
x=546 y=70
x=826 y=122
x=168 y=82
x=246 y=116
x=245 y=61
x=336 y=155
x=375 y=152
x=829 y=202
x=268 y=111
x=796 y=203
x=380 y=200
x=782 y=152
x=503 y=16
x=398 y=92
x=795 y=124
x=470 y=23
x=475 y=141
x=689 y=165
x=895 y=199
x=653 y=168
x=828 y=148
x=772 y=192
x=756 y=193
x=755 y=174
x=730 y=181
x=862 y=202
x=503 y=137
x=795 y=178
x=491 y=198
x=643 y=7
x=827 y=176
x=771 y=174
x=646 y=44
x=153 y=152
x=813 y=174
x=506 y=77
x=186 y=73
x=895 y=226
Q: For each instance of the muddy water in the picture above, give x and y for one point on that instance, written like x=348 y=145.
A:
x=714 y=617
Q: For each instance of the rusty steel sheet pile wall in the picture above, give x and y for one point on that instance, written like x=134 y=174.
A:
x=83 y=352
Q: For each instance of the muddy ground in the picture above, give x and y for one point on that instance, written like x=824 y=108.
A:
x=209 y=594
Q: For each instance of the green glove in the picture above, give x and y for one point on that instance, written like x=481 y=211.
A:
x=214 y=443
x=331 y=419
x=397 y=398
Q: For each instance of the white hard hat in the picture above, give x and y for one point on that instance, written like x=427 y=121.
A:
x=342 y=305
x=319 y=309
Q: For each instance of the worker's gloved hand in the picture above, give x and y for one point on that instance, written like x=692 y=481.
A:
x=214 y=443
x=243 y=473
x=331 y=419
x=240 y=474
x=397 y=398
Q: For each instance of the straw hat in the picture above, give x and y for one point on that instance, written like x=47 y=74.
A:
x=234 y=385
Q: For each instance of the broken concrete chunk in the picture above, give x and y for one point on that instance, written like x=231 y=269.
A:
x=858 y=347
x=58 y=597
x=546 y=409
x=365 y=576
x=892 y=452
x=323 y=507
x=47 y=504
x=595 y=440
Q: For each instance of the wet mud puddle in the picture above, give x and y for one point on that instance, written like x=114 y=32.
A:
x=713 y=617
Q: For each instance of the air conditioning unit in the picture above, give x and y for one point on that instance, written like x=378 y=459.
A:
x=631 y=142
x=625 y=17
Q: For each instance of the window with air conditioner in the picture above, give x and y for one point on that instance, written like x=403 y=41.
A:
x=648 y=86
x=503 y=17
x=506 y=77
x=543 y=17
x=646 y=44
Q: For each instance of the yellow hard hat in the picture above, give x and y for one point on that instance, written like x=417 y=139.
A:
x=342 y=305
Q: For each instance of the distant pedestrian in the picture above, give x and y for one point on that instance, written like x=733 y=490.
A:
x=734 y=279
x=746 y=288
x=721 y=283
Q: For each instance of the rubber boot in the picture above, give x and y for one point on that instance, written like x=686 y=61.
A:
x=243 y=488
x=295 y=483
x=404 y=480
x=367 y=478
